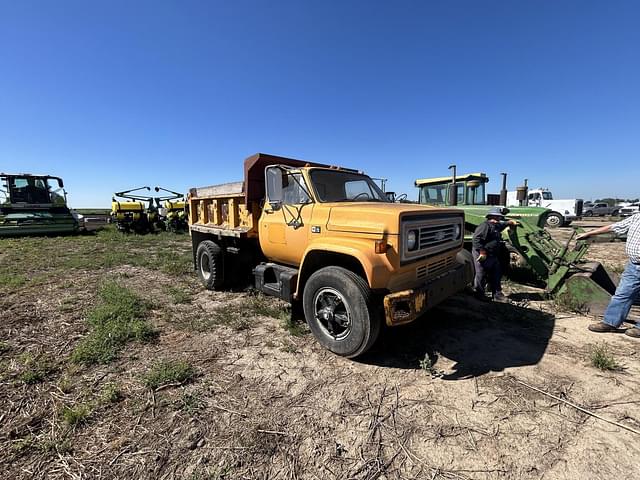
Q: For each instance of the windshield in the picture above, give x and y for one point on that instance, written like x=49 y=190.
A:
x=475 y=194
x=56 y=190
x=547 y=196
x=28 y=189
x=433 y=194
x=4 y=190
x=341 y=186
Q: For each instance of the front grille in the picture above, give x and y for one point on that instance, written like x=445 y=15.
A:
x=434 y=269
x=433 y=236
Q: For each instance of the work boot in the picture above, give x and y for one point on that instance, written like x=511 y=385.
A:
x=633 y=332
x=602 y=327
x=480 y=295
x=500 y=297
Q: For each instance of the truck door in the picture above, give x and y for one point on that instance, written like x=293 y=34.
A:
x=535 y=199
x=284 y=223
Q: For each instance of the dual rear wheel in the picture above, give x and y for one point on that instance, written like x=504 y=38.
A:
x=210 y=264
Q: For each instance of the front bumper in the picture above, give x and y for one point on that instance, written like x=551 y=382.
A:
x=407 y=305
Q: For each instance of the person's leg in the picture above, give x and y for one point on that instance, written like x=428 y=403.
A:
x=496 y=277
x=626 y=292
x=494 y=273
x=480 y=279
x=490 y=265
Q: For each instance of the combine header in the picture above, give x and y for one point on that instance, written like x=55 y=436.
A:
x=561 y=270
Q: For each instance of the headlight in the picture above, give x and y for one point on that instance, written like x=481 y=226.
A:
x=411 y=240
x=457 y=230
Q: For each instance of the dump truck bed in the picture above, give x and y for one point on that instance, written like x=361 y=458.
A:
x=222 y=210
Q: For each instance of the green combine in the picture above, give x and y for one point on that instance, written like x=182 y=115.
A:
x=34 y=205
x=560 y=270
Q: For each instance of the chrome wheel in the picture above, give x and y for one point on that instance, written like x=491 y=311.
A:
x=332 y=313
x=554 y=220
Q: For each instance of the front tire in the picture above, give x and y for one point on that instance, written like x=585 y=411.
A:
x=554 y=220
x=341 y=311
x=209 y=264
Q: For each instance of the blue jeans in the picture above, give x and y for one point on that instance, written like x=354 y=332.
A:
x=627 y=291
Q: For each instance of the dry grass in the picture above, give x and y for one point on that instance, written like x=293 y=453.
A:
x=231 y=388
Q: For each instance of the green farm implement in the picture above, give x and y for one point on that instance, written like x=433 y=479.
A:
x=34 y=205
x=531 y=252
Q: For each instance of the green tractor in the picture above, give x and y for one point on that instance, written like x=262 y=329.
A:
x=143 y=214
x=34 y=205
x=584 y=286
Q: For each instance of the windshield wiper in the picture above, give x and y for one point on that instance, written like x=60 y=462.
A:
x=358 y=200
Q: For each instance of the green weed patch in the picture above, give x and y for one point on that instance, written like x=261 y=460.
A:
x=118 y=319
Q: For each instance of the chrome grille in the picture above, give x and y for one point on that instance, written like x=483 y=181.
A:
x=433 y=236
x=579 y=206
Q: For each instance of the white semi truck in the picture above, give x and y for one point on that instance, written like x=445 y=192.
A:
x=563 y=211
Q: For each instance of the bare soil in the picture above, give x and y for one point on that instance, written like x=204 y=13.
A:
x=448 y=397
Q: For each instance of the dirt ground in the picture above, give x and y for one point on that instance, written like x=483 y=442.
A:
x=456 y=395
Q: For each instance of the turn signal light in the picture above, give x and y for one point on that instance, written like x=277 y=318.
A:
x=381 y=246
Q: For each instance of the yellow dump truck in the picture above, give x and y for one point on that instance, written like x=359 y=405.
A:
x=327 y=238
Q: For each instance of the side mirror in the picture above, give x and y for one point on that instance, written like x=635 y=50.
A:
x=273 y=180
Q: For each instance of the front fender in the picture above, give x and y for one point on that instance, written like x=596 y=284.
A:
x=376 y=267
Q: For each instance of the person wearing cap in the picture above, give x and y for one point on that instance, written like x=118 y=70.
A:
x=628 y=289
x=486 y=245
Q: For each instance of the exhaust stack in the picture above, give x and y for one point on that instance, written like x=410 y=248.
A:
x=503 y=192
x=521 y=194
x=453 y=190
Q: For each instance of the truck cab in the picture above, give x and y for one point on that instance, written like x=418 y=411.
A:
x=327 y=238
x=563 y=211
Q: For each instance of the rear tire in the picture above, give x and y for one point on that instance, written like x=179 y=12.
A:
x=588 y=214
x=341 y=311
x=554 y=220
x=209 y=264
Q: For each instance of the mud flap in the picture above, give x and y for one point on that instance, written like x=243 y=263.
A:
x=589 y=290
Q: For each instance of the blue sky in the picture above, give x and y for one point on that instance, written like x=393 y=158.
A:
x=114 y=94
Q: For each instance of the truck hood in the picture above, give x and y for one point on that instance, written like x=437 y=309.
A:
x=376 y=218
